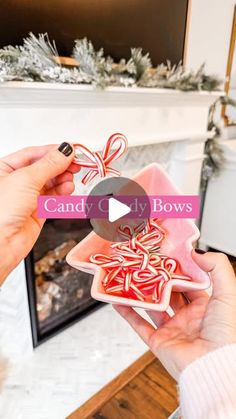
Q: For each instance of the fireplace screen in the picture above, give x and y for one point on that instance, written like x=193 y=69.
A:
x=58 y=294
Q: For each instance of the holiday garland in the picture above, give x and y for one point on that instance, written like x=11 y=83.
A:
x=214 y=156
x=37 y=60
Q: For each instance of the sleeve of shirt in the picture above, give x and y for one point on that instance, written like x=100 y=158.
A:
x=207 y=387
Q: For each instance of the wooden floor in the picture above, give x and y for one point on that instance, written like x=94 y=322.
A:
x=143 y=391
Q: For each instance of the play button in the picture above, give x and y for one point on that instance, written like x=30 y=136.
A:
x=115 y=203
x=117 y=210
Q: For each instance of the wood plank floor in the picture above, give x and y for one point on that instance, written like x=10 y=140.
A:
x=142 y=391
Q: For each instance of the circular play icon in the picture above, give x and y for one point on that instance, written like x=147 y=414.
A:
x=115 y=205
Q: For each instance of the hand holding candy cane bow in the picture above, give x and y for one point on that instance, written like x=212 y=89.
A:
x=97 y=162
x=24 y=175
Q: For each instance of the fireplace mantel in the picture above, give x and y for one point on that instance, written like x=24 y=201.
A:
x=45 y=113
x=37 y=93
x=36 y=114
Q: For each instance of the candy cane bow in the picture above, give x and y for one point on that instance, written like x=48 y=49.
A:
x=99 y=162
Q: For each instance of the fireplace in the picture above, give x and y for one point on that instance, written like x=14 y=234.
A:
x=58 y=294
x=165 y=126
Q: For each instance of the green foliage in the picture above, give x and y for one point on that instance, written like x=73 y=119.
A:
x=141 y=63
x=176 y=77
x=92 y=62
x=214 y=156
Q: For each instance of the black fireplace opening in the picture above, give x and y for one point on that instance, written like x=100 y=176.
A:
x=58 y=294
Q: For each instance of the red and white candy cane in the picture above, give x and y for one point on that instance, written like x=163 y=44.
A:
x=158 y=290
x=107 y=261
x=98 y=162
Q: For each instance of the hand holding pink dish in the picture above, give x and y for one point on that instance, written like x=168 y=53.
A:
x=152 y=261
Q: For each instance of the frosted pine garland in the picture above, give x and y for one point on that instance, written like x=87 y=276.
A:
x=35 y=61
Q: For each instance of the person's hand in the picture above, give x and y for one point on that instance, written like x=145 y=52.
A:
x=25 y=175
x=197 y=328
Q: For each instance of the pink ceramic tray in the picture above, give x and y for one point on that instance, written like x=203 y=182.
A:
x=181 y=234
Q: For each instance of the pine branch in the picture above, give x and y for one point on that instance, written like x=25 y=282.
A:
x=40 y=49
x=176 y=77
x=92 y=62
x=140 y=63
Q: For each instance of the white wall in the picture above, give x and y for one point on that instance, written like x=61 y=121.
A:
x=209 y=34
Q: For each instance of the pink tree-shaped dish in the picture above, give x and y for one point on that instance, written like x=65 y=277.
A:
x=181 y=235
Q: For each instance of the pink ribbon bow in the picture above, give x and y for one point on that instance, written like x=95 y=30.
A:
x=99 y=162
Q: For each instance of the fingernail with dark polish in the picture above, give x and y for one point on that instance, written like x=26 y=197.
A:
x=65 y=148
x=200 y=251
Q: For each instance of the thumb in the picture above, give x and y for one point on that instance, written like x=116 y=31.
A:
x=52 y=164
x=221 y=272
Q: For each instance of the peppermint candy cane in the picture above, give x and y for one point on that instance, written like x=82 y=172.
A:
x=97 y=162
x=106 y=261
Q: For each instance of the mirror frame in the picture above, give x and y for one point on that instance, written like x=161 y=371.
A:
x=229 y=69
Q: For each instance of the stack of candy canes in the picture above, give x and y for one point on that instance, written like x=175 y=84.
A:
x=137 y=268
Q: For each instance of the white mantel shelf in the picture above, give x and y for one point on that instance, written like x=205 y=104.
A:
x=58 y=94
x=51 y=113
